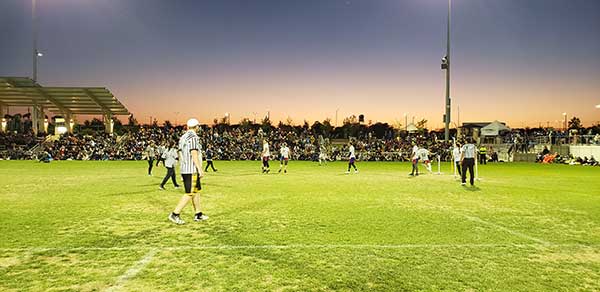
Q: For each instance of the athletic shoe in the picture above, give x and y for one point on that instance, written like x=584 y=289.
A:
x=200 y=217
x=347 y=172
x=356 y=171
x=463 y=184
x=411 y=174
x=268 y=170
x=176 y=219
x=162 y=188
x=177 y=187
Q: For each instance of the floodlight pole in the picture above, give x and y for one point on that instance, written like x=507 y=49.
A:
x=448 y=106
x=35 y=33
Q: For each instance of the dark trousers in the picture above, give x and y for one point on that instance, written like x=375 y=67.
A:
x=351 y=164
x=209 y=163
x=482 y=159
x=458 y=167
x=415 y=167
x=265 y=163
x=170 y=174
x=468 y=163
x=159 y=160
x=150 y=164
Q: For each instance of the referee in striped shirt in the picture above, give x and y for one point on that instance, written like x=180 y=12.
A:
x=190 y=160
x=467 y=159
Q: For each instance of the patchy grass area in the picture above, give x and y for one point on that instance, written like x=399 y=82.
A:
x=94 y=226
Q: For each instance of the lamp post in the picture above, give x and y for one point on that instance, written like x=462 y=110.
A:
x=336 y=116
x=565 y=115
x=36 y=53
x=446 y=66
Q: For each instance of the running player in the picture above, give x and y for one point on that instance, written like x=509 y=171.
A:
x=209 y=159
x=352 y=158
x=284 y=153
x=170 y=159
x=265 y=156
x=190 y=159
x=424 y=156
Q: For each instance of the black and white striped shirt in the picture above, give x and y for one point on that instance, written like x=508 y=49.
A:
x=188 y=142
x=468 y=150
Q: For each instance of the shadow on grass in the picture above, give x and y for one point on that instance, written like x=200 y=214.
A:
x=471 y=188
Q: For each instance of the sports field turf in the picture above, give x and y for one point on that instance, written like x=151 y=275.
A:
x=95 y=226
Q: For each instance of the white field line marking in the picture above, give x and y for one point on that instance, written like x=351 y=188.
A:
x=481 y=221
x=500 y=227
x=133 y=271
x=154 y=249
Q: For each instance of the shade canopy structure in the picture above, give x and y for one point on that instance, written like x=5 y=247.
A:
x=494 y=129
x=24 y=92
x=65 y=101
x=411 y=128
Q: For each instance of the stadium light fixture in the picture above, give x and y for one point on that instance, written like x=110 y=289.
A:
x=598 y=106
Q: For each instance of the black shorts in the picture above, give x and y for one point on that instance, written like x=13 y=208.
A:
x=190 y=180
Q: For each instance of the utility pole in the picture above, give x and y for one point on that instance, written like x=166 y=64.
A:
x=35 y=33
x=446 y=66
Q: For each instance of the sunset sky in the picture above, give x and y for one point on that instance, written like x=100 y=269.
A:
x=519 y=61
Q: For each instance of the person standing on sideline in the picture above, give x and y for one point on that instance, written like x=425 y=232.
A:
x=265 y=156
x=170 y=158
x=415 y=160
x=482 y=154
x=284 y=153
x=322 y=154
x=352 y=158
x=160 y=151
x=209 y=159
x=190 y=160
x=456 y=157
x=467 y=159
x=150 y=155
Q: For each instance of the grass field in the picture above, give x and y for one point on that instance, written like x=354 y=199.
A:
x=102 y=226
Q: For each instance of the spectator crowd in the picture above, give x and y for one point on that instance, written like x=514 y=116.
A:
x=238 y=143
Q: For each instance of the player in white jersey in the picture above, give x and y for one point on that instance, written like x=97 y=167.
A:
x=284 y=157
x=322 y=154
x=352 y=158
x=415 y=160
x=266 y=154
x=456 y=154
x=424 y=156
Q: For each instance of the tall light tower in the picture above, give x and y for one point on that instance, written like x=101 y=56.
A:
x=35 y=33
x=446 y=66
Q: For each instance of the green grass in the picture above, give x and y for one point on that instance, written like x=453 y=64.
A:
x=90 y=226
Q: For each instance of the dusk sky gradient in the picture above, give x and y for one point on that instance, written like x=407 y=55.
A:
x=520 y=61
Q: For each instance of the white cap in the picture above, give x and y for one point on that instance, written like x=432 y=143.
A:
x=192 y=123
